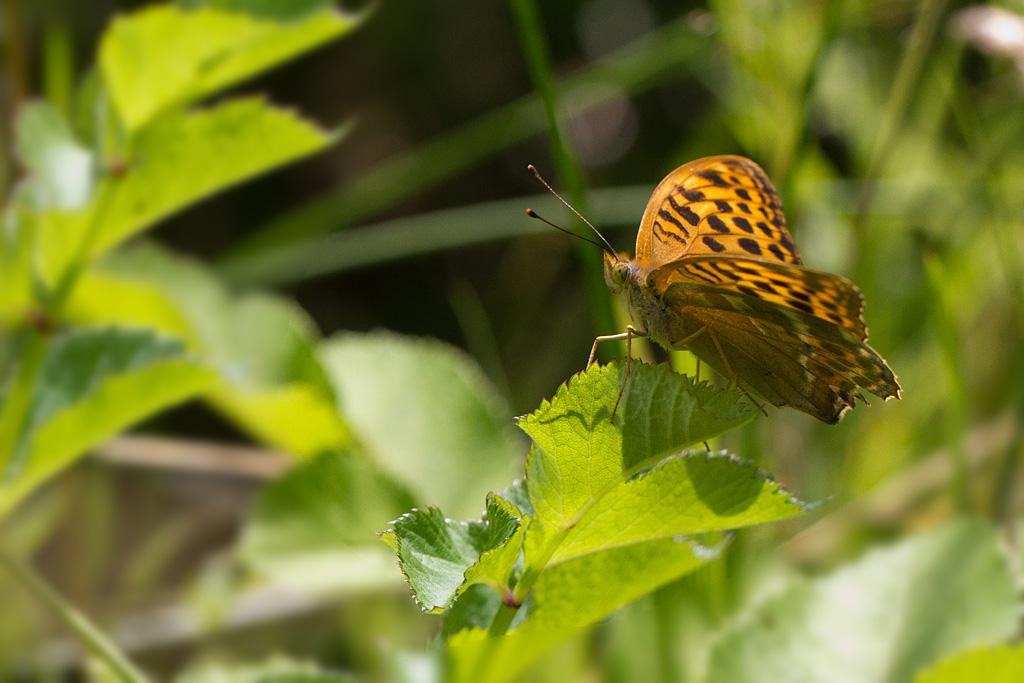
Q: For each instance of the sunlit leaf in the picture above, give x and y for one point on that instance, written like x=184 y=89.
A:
x=274 y=388
x=579 y=455
x=883 y=618
x=60 y=168
x=426 y=413
x=177 y=161
x=94 y=383
x=166 y=56
x=996 y=664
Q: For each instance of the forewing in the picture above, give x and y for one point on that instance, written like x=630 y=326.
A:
x=715 y=205
x=828 y=297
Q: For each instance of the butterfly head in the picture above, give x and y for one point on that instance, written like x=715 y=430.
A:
x=617 y=271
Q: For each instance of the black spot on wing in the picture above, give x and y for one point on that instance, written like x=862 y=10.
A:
x=799 y=305
x=686 y=212
x=742 y=223
x=666 y=215
x=713 y=178
x=693 y=195
x=764 y=228
x=750 y=246
x=717 y=223
x=723 y=206
x=774 y=248
x=713 y=244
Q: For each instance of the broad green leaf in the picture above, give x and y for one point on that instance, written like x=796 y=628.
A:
x=441 y=557
x=425 y=413
x=275 y=388
x=60 y=168
x=693 y=493
x=587 y=588
x=579 y=455
x=315 y=527
x=995 y=664
x=175 y=162
x=167 y=56
x=94 y=383
x=882 y=619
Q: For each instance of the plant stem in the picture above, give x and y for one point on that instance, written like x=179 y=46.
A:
x=907 y=74
x=538 y=61
x=502 y=619
x=19 y=398
x=91 y=637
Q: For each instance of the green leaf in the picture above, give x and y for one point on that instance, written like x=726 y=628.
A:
x=694 y=493
x=94 y=383
x=177 y=161
x=882 y=618
x=60 y=168
x=579 y=455
x=314 y=528
x=425 y=413
x=166 y=56
x=275 y=388
x=587 y=588
x=441 y=557
x=997 y=664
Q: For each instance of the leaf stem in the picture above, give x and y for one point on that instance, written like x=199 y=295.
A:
x=94 y=639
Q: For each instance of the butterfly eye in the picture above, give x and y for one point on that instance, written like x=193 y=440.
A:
x=620 y=272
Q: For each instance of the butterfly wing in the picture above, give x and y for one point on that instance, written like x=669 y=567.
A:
x=716 y=205
x=831 y=298
x=790 y=351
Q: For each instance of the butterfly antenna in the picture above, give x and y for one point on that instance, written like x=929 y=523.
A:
x=533 y=214
x=606 y=245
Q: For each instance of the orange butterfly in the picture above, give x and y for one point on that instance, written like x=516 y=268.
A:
x=717 y=273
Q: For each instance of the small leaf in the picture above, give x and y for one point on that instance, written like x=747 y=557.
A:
x=435 y=553
x=882 y=618
x=94 y=383
x=61 y=169
x=166 y=56
x=996 y=664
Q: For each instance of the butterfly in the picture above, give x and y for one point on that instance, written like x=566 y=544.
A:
x=717 y=273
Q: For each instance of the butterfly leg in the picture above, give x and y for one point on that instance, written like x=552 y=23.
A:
x=725 y=361
x=630 y=333
x=627 y=335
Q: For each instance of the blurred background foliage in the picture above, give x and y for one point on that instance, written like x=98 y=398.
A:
x=892 y=129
